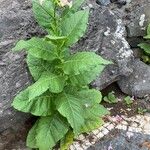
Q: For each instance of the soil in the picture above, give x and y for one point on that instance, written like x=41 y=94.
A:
x=12 y=140
x=121 y=108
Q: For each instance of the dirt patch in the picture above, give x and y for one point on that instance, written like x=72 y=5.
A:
x=121 y=108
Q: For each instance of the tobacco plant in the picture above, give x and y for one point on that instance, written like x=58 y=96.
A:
x=60 y=96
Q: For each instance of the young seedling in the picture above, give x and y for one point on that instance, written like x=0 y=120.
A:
x=111 y=98
x=128 y=101
x=60 y=96
x=141 y=111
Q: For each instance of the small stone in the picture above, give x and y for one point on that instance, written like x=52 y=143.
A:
x=87 y=143
x=124 y=123
x=105 y=131
x=72 y=147
x=96 y=132
x=84 y=146
x=147 y=127
x=81 y=137
x=100 y=135
x=106 y=124
x=134 y=124
x=110 y=127
x=131 y=129
x=77 y=146
x=103 y=2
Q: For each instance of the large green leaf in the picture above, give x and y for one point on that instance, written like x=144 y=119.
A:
x=44 y=12
x=31 y=138
x=38 y=66
x=145 y=46
x=83 y=62
x=91 y=124
x=148 y=30
x=93 y=117
x=75 y=6
x=49 y=130
x=38 y=48
x=70 y=107
x=55 y=84
x=57 y=40
x=90 y=97
x=147 y=37
x=148 y=33
x=91 y=75
x=74 y=26
x=39 y=106
x=95 y=111
x=67 y=141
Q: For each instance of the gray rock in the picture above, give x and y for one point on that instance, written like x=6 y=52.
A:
x=138 y=14
x=118 y=140
x=103 y=2
x=138 y=83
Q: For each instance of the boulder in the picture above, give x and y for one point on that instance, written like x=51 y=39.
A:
x=138 y=83
x=137 y=17
x=119 y=140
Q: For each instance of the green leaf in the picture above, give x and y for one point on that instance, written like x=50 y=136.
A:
x=31 y=138
x=75 y=26
x=40 y=106
x=90 y=97
x=95 y=111
x=82 y=62
x=91 y=124
x=57 y=40
x=43 y=12
x=55 y=84
x=49 y=131
x=37 y=47
x=145 y=46
x=75 y=6
x=93 y=117
x=111 y=98
x=87 y=77
x=148 y=30
x=67 y=140
x=147 y=37
x=38 y=66
x=71 y=108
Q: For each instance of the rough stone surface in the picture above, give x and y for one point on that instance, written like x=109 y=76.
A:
x=120 y=141
x=103 y=2
x=138 y=14
x=138 y=83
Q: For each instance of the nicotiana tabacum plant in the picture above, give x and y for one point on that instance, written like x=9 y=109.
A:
x=146 y=46
x=60 y=95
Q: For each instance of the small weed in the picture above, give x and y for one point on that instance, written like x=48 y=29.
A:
x=111 y=98
x=141 y=111
x=128 y=101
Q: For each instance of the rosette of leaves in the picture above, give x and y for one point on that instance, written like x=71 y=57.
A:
x=146 y=46
x=60 y=95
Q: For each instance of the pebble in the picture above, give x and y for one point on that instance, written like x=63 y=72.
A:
x=103 y=2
